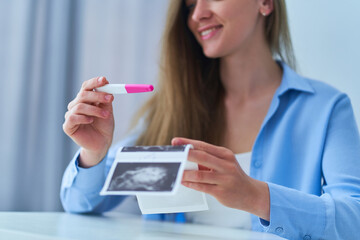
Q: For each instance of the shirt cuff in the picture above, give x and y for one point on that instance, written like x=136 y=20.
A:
x=294 y=213
x=90 y=179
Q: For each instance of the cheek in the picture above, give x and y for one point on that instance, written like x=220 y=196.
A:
x=243 y=26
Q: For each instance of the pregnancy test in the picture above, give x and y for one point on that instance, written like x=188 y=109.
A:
x=125 y=88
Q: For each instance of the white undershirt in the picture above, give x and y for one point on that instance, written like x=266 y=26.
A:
x=220 y=215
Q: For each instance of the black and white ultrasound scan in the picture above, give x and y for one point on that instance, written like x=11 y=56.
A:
x=166 y=148
x=146 y=170
x=134 y=176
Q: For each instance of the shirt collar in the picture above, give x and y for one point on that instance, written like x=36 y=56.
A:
x=293 y=81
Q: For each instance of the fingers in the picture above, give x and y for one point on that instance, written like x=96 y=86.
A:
x=88 y=110
x=93 y=83
x=201 y=167
x=73 y=122
x=88 y=105
x=208 y=161
x=208 y=156
x=202 y=187
x=208 y=177
x=82 y=114
x=217 y=151
x=87 y=95
x=91 y=97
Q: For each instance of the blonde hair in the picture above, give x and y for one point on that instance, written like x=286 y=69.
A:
x=278 y=34
x=189 y=97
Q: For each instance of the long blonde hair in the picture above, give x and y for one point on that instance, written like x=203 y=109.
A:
x=189 y=97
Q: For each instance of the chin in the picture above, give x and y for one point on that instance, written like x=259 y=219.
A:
x=212 y=54
x=215 y=52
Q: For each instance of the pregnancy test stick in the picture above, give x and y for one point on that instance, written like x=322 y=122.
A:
x=125 y=88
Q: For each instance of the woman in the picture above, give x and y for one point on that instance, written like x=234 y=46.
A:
x=222 y=91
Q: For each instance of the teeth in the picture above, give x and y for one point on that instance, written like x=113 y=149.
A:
x=206 y=32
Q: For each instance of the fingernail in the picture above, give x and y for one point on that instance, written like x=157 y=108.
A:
x=100 y=79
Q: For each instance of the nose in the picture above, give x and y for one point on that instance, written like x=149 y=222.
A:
x=201 y=11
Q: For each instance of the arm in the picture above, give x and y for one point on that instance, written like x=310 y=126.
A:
x=334 y=214
x=81 y=186
x=285 y=211
x=89 y=122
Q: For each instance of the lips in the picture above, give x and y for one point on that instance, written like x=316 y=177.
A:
x=209 y=31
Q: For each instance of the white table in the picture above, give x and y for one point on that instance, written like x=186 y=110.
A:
x=57 y=225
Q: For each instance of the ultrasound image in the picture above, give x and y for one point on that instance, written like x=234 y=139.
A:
x=132 y=176
x=167 y=148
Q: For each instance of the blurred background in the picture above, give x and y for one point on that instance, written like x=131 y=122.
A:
x=49 y=47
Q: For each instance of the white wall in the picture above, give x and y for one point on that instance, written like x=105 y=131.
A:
x=326 y=38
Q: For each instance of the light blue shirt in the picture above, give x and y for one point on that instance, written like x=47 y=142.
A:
x=307 y=150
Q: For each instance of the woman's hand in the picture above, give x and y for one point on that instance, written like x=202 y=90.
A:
x=221 y=176
x=89 y=122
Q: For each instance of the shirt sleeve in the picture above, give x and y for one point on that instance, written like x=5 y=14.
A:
x=334 y=214
x=80 y=187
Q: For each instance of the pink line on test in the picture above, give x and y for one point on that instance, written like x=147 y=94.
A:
x=137 y=88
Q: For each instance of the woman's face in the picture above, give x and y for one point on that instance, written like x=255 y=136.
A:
x=224 y=27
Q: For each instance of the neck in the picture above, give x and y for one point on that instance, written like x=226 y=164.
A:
x=249 y=74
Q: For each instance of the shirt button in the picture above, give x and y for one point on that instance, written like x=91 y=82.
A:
x=307 y=237
x=279 y=230
x=257 y=164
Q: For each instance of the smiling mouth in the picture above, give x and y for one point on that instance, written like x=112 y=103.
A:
x=208 y=33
